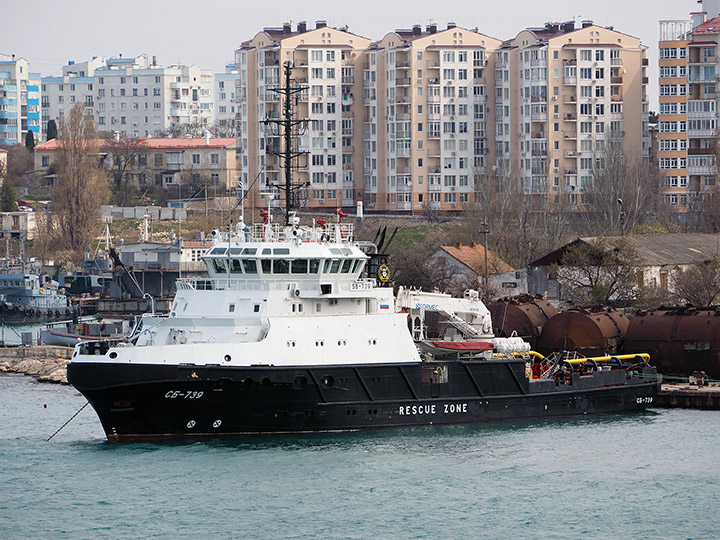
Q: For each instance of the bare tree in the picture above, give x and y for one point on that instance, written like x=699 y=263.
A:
x=698 y=284
x=230 y=128
x=521 y=226
x=600 y=272
x=124 y=155
x=81 y=186
x=194 y=130
x=622 y=192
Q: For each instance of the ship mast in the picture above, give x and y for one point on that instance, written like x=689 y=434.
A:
x=290 y=128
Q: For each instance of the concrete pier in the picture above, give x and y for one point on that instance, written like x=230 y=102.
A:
x=688 y=396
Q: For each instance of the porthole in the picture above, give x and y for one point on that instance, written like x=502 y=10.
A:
x=228 y=358
x=327 y=381
x=113 y=355
x=266 y=383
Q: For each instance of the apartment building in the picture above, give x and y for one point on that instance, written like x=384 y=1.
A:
x=132 y=95
x=326 y=63
x=19 y=100
x=224 y=103
x=576 y=88
x=166 y=163
x=442 y=109
x=426 y=112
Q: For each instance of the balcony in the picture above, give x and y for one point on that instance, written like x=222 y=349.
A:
x=616 y=80
x=479 y=98
x=570 y=135
x=701 y=151
x=570 y=81
x=433 y=99
x=402 y=81
x=570 y=117
x=538 y=99
x=700 y=133
x=539 y=117
x=348 y=80
x=701 y=165
x=348 y=150
x=569 y=99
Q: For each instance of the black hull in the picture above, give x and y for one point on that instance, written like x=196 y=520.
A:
x=147 y=402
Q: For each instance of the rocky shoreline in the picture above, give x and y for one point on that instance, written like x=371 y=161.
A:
x=46 y=363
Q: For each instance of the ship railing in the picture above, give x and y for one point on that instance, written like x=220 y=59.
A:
x=216 y=284
x=328 y=232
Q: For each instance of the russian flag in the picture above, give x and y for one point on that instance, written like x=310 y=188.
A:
x=384 y=306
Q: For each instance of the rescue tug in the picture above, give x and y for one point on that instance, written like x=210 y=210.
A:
x=288 y=334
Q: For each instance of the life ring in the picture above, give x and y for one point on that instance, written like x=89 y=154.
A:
x=42 y=290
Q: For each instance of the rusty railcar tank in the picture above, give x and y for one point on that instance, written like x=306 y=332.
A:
x=523 y=314
x=589 y=330
x=680 y=340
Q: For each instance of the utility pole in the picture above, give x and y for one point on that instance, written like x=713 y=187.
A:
x=290 y=129
x=484 y=230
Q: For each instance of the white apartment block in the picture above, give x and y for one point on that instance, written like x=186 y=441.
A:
x=131 y=95
x=225 y=103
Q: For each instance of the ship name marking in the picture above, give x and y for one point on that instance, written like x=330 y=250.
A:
x=444 y=408
x=172 y=394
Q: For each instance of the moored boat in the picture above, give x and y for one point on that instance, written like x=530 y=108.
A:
x=287 y=335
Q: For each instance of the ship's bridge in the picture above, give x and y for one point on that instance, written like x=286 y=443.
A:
x=270 y=252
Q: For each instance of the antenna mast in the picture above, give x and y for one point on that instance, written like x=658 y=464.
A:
x=290 y=128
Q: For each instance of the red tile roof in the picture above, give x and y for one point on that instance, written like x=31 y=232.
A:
x=473 y=256
x=185 y=144
x=153 y=144
x=709 y=27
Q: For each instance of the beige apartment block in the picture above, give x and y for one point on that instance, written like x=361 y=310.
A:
x=326 y=62
x=576 y=89
x=426 y=104
x=675 y=37
x=421 y=118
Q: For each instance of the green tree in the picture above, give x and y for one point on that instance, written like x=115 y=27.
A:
x=8 y=198
x=52 y=131
x=29 y=140
x=82 y=185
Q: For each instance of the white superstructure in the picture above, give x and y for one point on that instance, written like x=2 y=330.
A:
x=275 y=295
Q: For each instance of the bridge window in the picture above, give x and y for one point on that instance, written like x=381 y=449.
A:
x=347 y=263
x=281 y=266
x=250 y=266
x=357 y=266
x=299 y=266
x=335 y=266
x=236 y=266
x=218 y=251
x=281 y=251
x=314 y=266
x=266 y=264
x=219 y=265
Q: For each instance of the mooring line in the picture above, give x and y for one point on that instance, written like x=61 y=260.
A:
x=69 y=420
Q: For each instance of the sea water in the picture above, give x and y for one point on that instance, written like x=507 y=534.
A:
x=649 y=475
